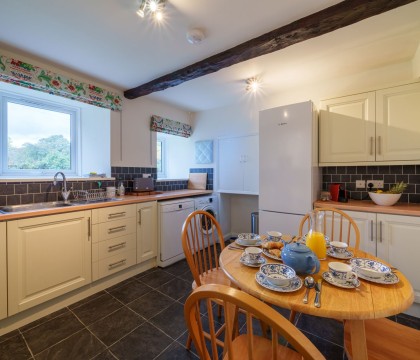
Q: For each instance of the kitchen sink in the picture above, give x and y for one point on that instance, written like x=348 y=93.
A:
x=94 y=201
x=34 y=207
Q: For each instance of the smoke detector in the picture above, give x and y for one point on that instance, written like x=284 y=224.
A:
x=195 y=36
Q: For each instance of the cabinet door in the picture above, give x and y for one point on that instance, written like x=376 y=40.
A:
x=3 y=272
x=146 y=231
x=230 y=165
x=347 y=129
x=399 y=243
x=250 y=164
x=366 y=222
x=397 y=123
x=47 y=256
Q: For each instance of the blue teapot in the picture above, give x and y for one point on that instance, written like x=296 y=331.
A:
x=300 y=258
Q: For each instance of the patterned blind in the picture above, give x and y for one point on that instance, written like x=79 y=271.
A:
x=167 y=126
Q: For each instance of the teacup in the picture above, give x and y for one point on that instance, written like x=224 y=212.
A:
x=341 y=272
x=253 y=254
x=338 y=247
x=274 y=235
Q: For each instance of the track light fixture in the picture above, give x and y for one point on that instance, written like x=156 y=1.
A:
x=153 y=7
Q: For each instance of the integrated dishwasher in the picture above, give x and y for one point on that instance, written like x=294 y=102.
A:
x=171 y=217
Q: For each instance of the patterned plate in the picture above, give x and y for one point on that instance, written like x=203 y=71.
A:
x=346 y=255
x=243 y=260
x=271 y=256
x=388 y=278
x=294 y=284
x=347 y=285
x=239 y=242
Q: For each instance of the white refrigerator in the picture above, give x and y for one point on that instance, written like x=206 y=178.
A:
x=288 y=166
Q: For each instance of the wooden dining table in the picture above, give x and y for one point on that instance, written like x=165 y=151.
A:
x=368 y=301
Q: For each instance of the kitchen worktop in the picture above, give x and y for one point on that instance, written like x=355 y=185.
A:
x=124 y=200
x=370 y=206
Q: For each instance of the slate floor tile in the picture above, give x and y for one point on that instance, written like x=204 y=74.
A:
x=86 y=300
x=151 y=304
x=146 y=342
x=43 y=319
x=106 y=355
x=176 y=326
x=97 y=309
x=14 y=348
x=80 y=346
x=9 y=335
x=157 y=278
x=176 y=289
x=178 y=268
x=130 y=291
x=50 y=332
x=177 y=352
x=328 y=329
x=116 y=325
x=329 y=350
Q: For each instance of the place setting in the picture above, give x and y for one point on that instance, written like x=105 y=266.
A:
x=248 y=239
x=373 y=271
x=278 y=277
x=341 y=275
x=339 y=250
x=252 y=257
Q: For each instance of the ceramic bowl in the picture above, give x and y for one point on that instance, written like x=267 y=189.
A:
x=249 y=238
x=370 y=268
x=384 y=199
x=278 y=274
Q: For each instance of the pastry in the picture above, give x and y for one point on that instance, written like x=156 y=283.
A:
x=275 y=252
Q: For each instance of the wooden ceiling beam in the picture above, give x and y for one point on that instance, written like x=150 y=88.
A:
x=332 y=18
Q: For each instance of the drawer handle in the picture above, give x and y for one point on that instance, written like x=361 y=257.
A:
x=140 y=217
x=116 y=229
x=117 y=264
x=114 y=215
x=116 y=246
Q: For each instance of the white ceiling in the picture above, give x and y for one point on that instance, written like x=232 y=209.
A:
x=107 y=41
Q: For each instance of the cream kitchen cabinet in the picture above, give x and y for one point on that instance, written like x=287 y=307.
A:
x=238 y=165
x=380 y=127
x=47 y=256
x=146 y=231
x=3 y=271
x=113 y=240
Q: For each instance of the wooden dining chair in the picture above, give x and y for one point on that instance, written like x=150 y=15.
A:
x=201 y=237
x=247 y=345
x=338 y=226
x=386 y=340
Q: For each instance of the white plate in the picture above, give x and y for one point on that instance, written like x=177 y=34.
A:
x=387 y=279
x=239 y=242
x=303 y=240
x=345 y=255
x=294 y=284
x=271 y=256
x=243 y=260
x=347 y=285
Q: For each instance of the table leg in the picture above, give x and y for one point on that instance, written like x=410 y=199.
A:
x=358 y=339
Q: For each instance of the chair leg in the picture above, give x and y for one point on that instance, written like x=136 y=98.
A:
x=189 y=341
x=292 y=316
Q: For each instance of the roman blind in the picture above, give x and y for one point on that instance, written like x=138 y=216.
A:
x=167 y=126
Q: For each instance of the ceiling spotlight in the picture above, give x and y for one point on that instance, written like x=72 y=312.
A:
x=253 y=84
x=142 y=8
x=153 y=7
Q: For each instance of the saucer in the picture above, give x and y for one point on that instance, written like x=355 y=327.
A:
x=347 y=285
x=271 y=256
x=243 y=260
x=239 y=242
x=345 y=255
x=387 y=279
x=294 y=284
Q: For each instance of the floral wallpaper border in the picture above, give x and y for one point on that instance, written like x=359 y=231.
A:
x=167 y=126
x=23 y=74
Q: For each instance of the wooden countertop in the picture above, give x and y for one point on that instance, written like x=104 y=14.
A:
x=125 y=200
x=370 y=206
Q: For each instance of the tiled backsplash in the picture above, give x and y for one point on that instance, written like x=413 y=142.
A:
x=390 y=174
x=17 y=193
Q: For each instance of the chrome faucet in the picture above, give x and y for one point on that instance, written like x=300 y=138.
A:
x=64 y=191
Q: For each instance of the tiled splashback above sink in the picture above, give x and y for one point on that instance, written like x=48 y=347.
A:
x=17 y=193
x=347 y=175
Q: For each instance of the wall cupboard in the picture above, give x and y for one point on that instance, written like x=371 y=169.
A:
x=47 y=257
x=3 y=271
x=146 y=231
x=238 y=165
x=379 y=127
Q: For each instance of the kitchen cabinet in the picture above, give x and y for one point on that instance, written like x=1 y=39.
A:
x=146 y=231
x=113 y=240
x=47 y=256
x=238 y=165
x=3 y=272
x=378 y=127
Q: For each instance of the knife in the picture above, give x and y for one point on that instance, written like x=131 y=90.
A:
x=318 y=286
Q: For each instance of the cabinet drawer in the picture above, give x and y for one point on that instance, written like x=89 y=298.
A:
x=113 y=229
x=113 y=213
x=112 y=247
x=113 y=264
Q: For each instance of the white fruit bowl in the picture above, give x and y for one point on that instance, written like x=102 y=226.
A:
x=384 y=199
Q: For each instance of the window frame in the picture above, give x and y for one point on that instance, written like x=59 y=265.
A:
x=162 y=141
x=73 y=112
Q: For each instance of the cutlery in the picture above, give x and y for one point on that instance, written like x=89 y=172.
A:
x=318 y=287
x=309 y=283
x=230 y=247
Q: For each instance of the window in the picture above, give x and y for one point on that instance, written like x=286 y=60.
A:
x=38 y=137
x=160 y=158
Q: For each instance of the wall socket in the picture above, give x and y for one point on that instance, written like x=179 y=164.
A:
x=377 y=184
x=360 y=184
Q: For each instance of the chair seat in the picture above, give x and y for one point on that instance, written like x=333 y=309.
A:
x=386 y=339
x=215 y=276
x=262 y=350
